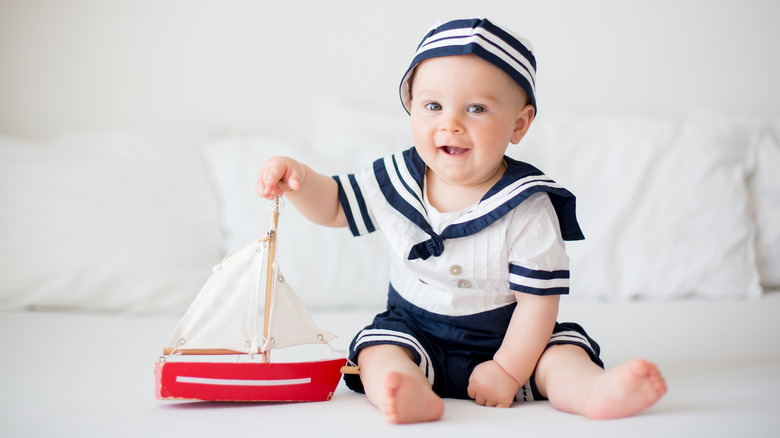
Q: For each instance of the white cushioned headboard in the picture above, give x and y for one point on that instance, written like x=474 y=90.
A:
x=135 y=221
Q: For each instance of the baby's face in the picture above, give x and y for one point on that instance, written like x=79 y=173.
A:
x=465 y=111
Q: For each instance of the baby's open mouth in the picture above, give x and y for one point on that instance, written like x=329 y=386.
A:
x=453 y=150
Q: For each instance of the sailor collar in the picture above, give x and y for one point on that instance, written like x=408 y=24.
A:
x=401 y=177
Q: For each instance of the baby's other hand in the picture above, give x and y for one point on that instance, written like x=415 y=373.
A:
x=278 y=176
x=490 y=385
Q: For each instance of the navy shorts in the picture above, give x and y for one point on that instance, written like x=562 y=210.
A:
x=447 y=348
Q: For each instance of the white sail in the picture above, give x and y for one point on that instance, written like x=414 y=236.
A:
x=290 y=323
x=225 y=313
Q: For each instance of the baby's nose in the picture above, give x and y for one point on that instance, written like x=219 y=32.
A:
x=451 y=123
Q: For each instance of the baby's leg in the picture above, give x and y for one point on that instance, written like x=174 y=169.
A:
x=566 y=376
x=395 y=385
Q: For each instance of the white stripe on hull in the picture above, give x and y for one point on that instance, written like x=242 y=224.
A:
x=240 y=382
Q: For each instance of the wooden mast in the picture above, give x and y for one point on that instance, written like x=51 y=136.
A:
x=269 y=278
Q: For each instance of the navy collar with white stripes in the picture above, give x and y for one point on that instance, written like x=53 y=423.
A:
x=401 y=178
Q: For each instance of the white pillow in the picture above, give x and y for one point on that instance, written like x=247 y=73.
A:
x=663 y=205
x=766 y=198
x=360 y=134
x=326 y=267
x=117 y=222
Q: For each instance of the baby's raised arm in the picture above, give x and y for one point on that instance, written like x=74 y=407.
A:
x=314 y=195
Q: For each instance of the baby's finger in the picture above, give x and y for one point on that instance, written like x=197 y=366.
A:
x=273 y=181
x=294 y=183
x=260 y=188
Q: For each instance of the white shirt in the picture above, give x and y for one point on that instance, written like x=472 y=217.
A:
x=470 y=261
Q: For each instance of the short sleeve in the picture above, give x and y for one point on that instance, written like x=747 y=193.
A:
x=352 y=189
x=538 y=263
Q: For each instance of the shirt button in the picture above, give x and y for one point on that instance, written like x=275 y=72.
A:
x=464 y=284
x=455 y=270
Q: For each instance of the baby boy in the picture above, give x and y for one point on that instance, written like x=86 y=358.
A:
x=477 y=241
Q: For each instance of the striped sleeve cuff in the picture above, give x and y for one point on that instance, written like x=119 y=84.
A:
x=538 y=282
x=354 y=205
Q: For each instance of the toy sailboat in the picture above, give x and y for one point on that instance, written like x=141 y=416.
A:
x=216 y=353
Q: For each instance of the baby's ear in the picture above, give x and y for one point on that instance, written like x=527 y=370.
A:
x=523 y=123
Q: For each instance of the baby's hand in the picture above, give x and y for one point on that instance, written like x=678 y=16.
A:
x=490 y=385
x=278 y=176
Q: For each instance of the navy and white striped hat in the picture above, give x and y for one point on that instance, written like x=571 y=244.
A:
x=507 y=51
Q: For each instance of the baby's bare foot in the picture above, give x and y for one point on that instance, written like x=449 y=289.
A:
x=626 y=390
x=409 y=401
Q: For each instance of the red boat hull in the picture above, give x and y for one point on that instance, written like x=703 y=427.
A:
x=272 y=382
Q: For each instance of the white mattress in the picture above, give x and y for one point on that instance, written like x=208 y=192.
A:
x=64 y=374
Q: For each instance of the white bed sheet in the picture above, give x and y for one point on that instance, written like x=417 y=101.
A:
x=65 y=374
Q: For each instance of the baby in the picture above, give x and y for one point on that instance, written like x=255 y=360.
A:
x=477 y=241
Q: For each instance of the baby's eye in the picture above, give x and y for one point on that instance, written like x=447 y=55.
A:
x=432 y=106
x=477 y=109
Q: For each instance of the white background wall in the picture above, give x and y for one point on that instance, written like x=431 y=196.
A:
x=260 y=66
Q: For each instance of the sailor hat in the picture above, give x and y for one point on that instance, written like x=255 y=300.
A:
x=500 y=47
